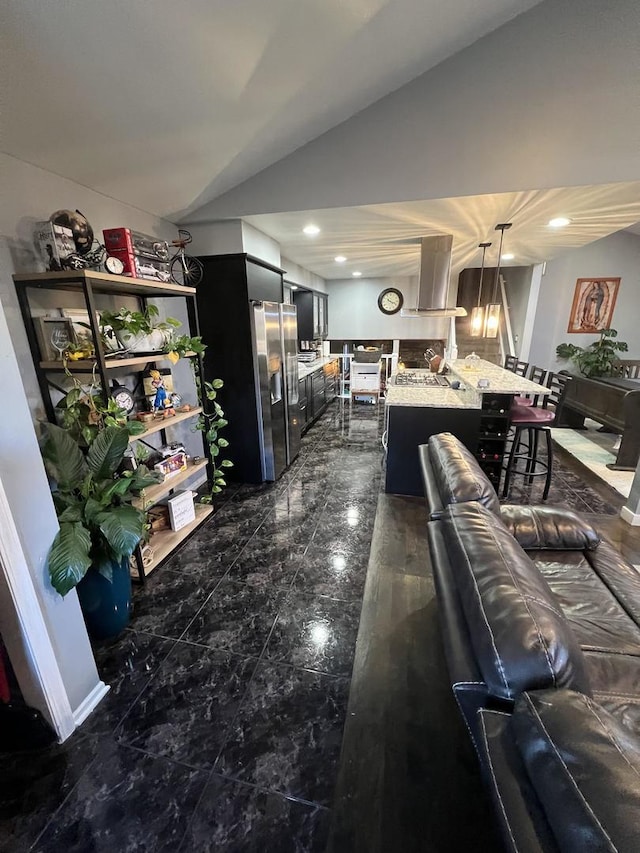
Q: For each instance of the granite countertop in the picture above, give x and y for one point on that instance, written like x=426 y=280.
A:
x=468 y=396
x=501 y=381
x=311 y=366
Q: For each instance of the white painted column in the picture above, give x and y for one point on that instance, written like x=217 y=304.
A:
x=56 y=663
x=630 y=512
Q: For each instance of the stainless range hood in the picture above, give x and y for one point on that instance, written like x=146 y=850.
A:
x=433 y=284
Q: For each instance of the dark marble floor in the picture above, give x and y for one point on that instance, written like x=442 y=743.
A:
x=223 y=725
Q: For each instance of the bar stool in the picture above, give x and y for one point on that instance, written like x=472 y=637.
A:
x=535 y=419
x=538 y=375
x=520 y=367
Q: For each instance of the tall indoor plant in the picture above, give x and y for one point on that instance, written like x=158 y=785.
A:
x=598 y=358
x=99 y=526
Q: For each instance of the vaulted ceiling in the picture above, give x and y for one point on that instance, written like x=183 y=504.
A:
x=167 y=105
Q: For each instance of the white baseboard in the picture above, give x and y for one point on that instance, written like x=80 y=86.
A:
x=90 y=703
x=632 y=518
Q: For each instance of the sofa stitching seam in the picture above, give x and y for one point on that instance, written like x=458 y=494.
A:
x=610 y=735
x=526 y=604
x=566 y=769
x=495 y=782
x=484 y=615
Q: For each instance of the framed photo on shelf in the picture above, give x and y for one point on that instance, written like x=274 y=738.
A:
x=54 y=334
x=82 y=330
x=593 y=303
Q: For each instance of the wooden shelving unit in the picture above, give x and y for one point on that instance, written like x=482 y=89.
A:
x=166 y=541
x=165 y=423
x=87 y=284
x=154 y=494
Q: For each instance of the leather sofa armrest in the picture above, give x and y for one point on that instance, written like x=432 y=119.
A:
x=584 y=765
x=539 y=528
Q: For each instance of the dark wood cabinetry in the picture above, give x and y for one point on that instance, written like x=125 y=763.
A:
x=224 y=296
x=313 y=314
x=317 y=390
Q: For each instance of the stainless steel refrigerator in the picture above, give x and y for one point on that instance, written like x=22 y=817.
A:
x=275 y=347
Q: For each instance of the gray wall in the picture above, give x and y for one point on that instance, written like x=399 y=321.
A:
x=547 y=100
x=517 y=285
x=613 y=256
x=354 y=312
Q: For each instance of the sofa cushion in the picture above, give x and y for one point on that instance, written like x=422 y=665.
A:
x=556 y=528
x=521 y=639
x=457 y=476
x=585 y=768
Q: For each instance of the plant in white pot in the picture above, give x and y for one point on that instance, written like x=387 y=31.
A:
x=138 y=331
x=99 y=527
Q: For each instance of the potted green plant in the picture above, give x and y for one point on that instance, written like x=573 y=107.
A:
x=99 y=526
x=138 y=331
x=599 y=358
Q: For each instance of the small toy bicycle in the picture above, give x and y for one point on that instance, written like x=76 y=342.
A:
x=184 y=268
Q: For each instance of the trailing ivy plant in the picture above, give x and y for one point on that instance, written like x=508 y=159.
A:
x=137 y=322
x=210 y=423
x=599 y=358
x=85 y=414
x=98 y=524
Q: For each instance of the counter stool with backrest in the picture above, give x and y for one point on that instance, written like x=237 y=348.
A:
x=534 y=419
x=520 y=367
x=538 y=375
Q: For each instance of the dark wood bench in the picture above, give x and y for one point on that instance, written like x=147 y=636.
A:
x=612 y=402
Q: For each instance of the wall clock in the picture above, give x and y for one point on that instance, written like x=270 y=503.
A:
x=390 y=300
x=123 y=398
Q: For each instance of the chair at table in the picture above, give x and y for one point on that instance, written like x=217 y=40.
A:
x=535 y=419
x=520 y=367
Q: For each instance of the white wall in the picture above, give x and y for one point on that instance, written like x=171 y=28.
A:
x=354 y=312
x=295 y=274
x=258 y=244
x=548 y=100
x=613 y=256
x=30 y=194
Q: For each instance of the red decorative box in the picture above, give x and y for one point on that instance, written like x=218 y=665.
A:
x=118 y=240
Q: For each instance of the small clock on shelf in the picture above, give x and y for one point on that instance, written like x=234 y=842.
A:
x=390 y=300
x=123 y=398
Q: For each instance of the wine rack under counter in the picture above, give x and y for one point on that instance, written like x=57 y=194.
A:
x=492 y=436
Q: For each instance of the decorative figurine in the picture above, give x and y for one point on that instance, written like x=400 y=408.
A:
x=160 y=401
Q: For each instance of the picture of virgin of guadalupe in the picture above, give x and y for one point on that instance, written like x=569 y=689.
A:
x=593 y=304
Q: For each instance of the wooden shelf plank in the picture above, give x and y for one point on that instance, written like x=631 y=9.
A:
x=164 y=542
x=165 y=423
x=104 y=282
x=87 y=365
x=154 y=494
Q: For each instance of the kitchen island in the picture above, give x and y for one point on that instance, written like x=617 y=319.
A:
x=479 y=417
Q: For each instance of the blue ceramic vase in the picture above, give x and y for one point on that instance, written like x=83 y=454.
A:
x=106 y=605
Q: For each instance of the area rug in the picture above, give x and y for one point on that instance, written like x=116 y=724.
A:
x=594 y=450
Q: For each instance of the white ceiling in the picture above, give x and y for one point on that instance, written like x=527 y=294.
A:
x=383 y=240
x=166 y=105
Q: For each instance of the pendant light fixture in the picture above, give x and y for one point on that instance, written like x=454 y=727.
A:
x=477 y=313
x=492 y=318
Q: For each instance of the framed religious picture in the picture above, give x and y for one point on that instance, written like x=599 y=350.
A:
x=593 y=303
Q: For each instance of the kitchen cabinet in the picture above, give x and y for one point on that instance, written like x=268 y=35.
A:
x=317 y=390
x=312 y=314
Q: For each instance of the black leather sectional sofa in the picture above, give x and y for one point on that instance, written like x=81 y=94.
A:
x=541 y=625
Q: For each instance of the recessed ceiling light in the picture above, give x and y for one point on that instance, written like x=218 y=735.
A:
x=339 y=259
x=293 y=287
x=507 y=257
x=311 y=230
x=559 y=222
x=356 y=273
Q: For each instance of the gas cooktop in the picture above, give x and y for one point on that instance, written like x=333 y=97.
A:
x=431 y=379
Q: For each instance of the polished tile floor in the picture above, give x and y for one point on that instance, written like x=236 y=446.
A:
x=223 y=726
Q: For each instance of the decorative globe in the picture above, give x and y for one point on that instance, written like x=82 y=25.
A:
x=80 y=227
